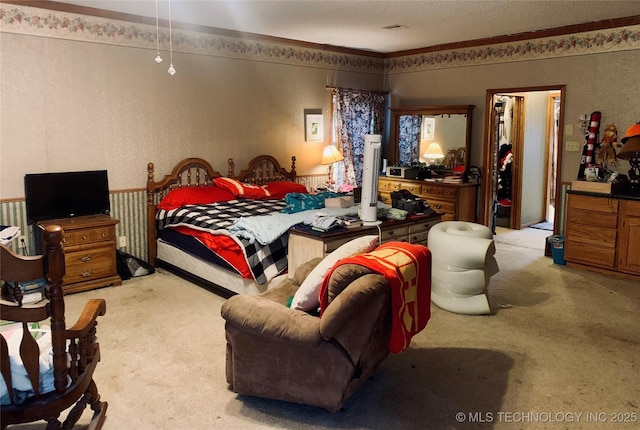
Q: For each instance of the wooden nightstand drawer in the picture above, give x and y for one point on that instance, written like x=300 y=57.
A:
x=91 y=235
x=397 y=233
x=420 y=238
x=88 y=265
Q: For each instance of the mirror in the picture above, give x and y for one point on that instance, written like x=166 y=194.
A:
x=416 y=128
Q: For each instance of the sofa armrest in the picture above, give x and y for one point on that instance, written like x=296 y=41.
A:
x=266 y=318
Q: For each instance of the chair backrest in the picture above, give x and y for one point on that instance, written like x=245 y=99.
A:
x=15 y=269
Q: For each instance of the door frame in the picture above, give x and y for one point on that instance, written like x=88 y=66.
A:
x=488 y=156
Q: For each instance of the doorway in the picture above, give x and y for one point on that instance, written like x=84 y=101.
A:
x=522 y=156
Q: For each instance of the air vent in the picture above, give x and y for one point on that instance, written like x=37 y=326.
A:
x=395 y=27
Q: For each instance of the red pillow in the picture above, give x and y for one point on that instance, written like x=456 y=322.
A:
x=194 y=196
x=240 y=189
x=279 y=189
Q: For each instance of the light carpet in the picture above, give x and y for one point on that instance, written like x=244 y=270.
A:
x=560 y=351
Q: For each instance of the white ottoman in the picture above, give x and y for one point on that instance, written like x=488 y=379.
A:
x=462 y=263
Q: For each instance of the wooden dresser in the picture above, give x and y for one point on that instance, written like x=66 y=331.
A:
x=304 y=245
x=90 y=251
x=457 y=202
x=603 y=233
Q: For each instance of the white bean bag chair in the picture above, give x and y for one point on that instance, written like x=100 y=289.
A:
x=462 y=263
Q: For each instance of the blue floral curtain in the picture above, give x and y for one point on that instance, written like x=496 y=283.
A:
x=409 y=138
x=356 y=113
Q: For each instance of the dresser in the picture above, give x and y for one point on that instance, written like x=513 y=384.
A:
x=603 y=233
x=90 y=251
x=456 y=202
x=305 y=245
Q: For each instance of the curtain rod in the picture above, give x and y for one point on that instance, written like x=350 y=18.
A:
x=356 y=90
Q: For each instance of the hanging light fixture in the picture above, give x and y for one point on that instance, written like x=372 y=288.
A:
x=158 y=58
x=172 y=70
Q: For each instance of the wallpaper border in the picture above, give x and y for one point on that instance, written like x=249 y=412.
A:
x=64 y=25
x=38 y=22
x=592 y=42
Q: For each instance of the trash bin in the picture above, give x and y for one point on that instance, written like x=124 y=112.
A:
x=557 y=248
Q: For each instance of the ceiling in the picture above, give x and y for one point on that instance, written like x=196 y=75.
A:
x=358 y=24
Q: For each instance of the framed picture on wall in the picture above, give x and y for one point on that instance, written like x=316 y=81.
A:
x=428 y=128
x=314 y=127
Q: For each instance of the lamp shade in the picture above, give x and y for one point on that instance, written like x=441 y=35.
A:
x=331 y=155
x=433 y=152
x=631 y=148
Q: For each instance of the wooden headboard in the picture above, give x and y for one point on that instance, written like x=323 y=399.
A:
x=191 y=172
x=263 y=169
x=195 y=172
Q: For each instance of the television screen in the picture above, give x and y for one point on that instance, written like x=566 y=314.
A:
x=64 y=195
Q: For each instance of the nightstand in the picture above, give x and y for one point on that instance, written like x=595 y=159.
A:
x=89 y=244
x=305 y=245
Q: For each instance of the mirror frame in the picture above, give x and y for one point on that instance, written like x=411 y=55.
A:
x=467 y=110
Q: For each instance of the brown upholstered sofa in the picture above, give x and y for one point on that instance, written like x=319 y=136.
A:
x=281 y=353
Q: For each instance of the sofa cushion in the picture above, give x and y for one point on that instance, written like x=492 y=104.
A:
x=306 y=298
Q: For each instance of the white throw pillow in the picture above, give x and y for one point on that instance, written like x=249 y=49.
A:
x=306 y=298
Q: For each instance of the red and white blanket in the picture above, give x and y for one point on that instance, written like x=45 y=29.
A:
x=407 y=268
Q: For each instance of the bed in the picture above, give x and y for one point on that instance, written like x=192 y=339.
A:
x=188 y=233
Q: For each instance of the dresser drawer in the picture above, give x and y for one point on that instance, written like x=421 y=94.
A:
x=88 y=235
x=90 y=264
x=419 y=238
x=398 y=233
x=443 y=206
x=388 y=186
x=597 y=204
x=588 y=253
x=413 y=188
x=385 y=198
x=440 y=192
x=592 y=218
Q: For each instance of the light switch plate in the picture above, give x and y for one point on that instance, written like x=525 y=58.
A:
x=568 y=129
x=572 y=146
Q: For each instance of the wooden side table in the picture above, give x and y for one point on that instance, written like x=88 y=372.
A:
x=89 y=244
x=305 y=245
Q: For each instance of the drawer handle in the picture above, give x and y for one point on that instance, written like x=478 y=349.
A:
x=84 y=237
x=104 y=235
x=85 y=258
x=437 y=206
x=86 y=274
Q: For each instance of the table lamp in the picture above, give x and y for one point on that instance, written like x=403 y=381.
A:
x=631 y=152
x=433 y=153
x=331 y=155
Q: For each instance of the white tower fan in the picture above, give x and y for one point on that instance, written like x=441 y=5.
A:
x=370 y=172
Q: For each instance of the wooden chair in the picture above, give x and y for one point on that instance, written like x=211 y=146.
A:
x=75 y=351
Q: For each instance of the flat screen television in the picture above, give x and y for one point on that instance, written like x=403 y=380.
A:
x=66 y=194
